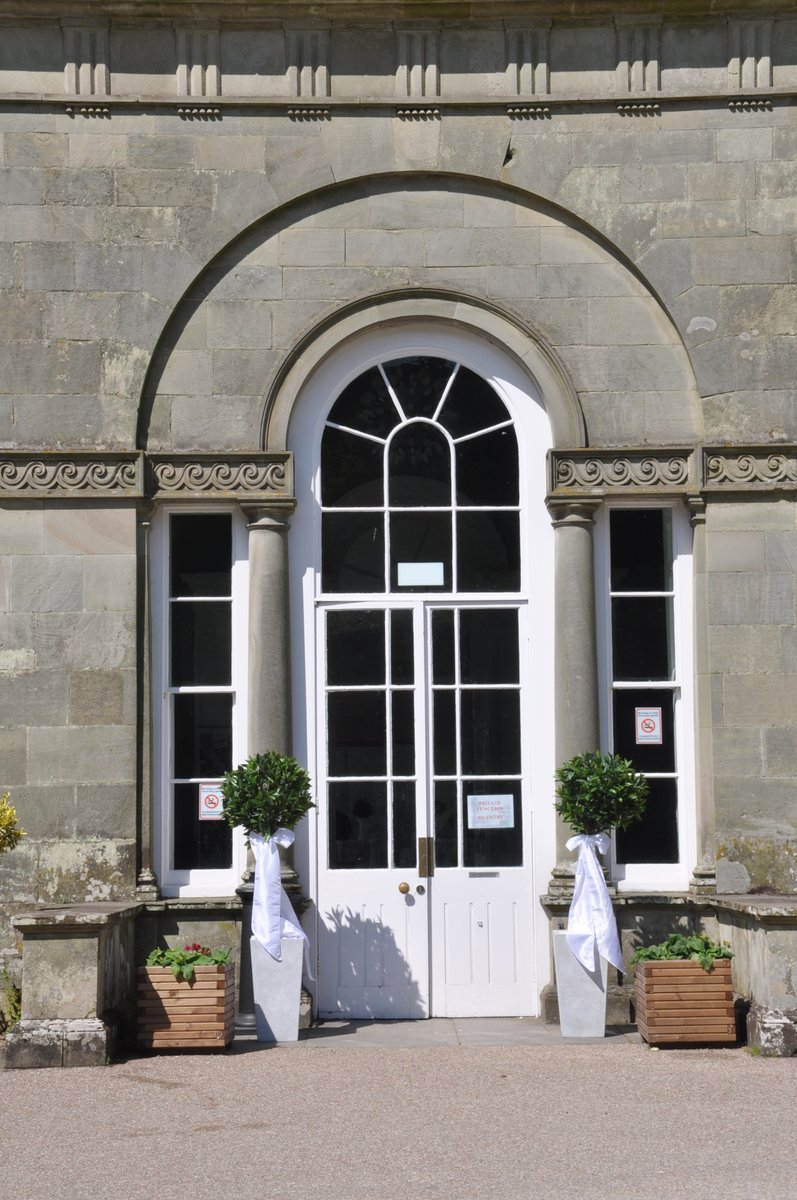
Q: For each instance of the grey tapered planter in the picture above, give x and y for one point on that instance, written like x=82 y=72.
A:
x=581 y=993
x=277 y=988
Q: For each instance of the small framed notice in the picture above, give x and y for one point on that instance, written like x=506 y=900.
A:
x=211 y=802
x=421 y=574
x=491 y=812
x=648 y=726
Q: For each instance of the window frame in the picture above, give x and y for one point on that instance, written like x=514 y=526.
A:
x=651 y=876
x=196 y=881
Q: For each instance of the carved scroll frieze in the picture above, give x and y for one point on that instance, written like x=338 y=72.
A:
x=235 y=476
x=638 y=56
x=751 y=468
x=417 y=63
x=528 y=71
x=86 y=70
x=198 y=58
x=308 y=62
x=749 y=54
x=27 y=475
x=587 y=472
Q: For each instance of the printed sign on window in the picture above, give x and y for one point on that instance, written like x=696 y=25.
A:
x=211 y=802
x=491 y=812
x=648 y=726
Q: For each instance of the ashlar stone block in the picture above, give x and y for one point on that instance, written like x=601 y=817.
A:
x=81 y=755
x=737 y=598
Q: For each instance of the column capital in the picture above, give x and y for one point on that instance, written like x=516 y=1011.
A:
x=565 y=512
x=267 y=517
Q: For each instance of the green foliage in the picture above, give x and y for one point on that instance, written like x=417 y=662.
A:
x=267 y=792
x=10 y=830
x=600 y=791
x=183 y=962
x=695 y=946
x=10 y=1003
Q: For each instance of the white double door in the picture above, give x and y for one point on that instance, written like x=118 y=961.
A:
x=425 y=895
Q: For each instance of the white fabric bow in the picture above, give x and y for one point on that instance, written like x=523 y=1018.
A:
x=272 y=913
x=591 y=925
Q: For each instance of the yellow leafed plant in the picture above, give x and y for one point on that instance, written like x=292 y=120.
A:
x=10 y=830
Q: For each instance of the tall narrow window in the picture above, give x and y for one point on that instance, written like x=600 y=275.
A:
x=647 y=668
x=200 y=697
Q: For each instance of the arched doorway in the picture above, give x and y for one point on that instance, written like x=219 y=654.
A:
x=421 y=556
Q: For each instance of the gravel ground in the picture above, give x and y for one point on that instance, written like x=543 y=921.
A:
x=457 y=1122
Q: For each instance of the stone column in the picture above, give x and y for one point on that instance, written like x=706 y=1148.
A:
x=576 y=672
x=269 y=635
x=146 y=880
x=704 y=874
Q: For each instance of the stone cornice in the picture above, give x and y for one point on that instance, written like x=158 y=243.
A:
x=704 y=472
x=260 y=477
x=750 y=468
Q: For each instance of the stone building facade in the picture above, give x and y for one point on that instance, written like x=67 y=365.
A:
x=411 y=386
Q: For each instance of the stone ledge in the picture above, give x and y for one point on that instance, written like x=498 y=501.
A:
x=74 y=916
x=57 y=1042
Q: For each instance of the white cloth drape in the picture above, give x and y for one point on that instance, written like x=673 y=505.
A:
x=591 y=925
x=272 y=913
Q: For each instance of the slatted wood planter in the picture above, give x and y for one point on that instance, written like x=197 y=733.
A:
x=680 y=1003
x=178 y=1014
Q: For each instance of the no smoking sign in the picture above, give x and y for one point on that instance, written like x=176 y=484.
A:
x=211 y=802
x=648 y=726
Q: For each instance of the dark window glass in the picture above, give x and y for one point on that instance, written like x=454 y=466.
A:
x=444 y=734
x=403 y=733
x=648 y=756
x=201 y=643
x=471 y=405
x=202 y=736
x=357 y=731
x=492 y=847
x=366 y=405
x=201 y=555
x=487 y=469
x=352 y=471
x=419 y=465
x=642 y=637
x=353 y=558
x=404 y=842
x=402 y=666
x=358 y=825
x=203 y=844
x=654 y=839
x=488 y=549
x=641 y=549
x=355 y=647
x=419 y=383
x=488 y=641
x=419 y=538
x=445 y=824
x=490 y=732
x=443 y=646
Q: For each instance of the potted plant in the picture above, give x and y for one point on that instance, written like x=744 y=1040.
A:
x=268 y=795
x=186 y=999
x=684 y=991
x=596 y=792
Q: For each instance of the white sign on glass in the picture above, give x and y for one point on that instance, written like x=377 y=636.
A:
x=211 y=802
x=648 y=726
x=421 y=574
x=491 y=812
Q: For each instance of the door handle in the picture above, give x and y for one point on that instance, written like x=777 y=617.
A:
x=425 y=857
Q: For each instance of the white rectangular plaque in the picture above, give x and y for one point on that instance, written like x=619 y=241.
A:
x=491 y=812
x=421 y=574
x=211 y=802
x=648 y=726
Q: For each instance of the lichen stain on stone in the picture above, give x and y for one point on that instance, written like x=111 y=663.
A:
x=770 y=864
x=71 y=873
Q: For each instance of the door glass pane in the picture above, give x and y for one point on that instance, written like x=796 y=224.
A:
x=641 y=550
x=402 y=665
x=492 y=846
x=419 y=466
x=487 y=469
x=490 y=732
x=444 y=745
x=353 y=555
x=420 y=540
x=201 y=643
x=642 y=637
x=443 y=646
x=366 y=405
x=203 y=844
x=471 y=404
x=357 y=732
x=488 y=551
x=355 y=647
x=647 y=756
x=445 y=824
x=358 y=825
x=403 y=733
x=488 y=642
x=202 y=736
x=201 y=554
x=654 y=839
x=419 y=383
x=352 y=471
x=405 y=846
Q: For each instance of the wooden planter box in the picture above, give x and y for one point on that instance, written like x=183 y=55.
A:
x=679 y=1002
x=178 y=1014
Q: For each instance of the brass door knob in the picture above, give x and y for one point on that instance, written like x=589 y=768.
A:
x=404 y=888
